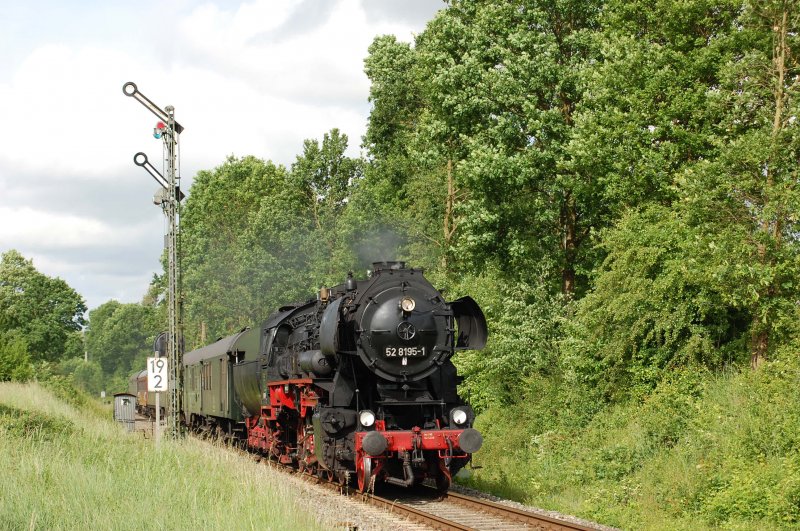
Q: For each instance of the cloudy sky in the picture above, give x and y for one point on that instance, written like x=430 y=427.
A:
x=245 y=78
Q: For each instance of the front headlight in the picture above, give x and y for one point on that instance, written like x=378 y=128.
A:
x=407 y=304
x=459 y=416
x=366 y=418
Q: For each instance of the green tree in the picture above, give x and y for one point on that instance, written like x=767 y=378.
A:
x=646 y=113
x=15 y=361
x=712 y=275
x=472 y=126
x=397 y=100
x=248 y=240
x=119 y=337
x=222 y=204
x=86 y=375
x=399 y=206
x=748 y=195
x=526 y=323
x=98 y=322
x=326 y=176
x=504 y=98
x=656 y=306
x=45 y=311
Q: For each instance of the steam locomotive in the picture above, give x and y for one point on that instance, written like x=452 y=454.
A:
x=355 y=382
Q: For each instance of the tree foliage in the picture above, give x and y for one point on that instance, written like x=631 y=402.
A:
x=709 y=276
x=526 y=323
x=44 y=311
x=665 y=134
x=86 y=375
x=227 y=272
x=618 y=178
x=119 y=338
x=655 y=307
x=15 y=360
x=256 y=236
x=750 y=190
x=326 y=177
x=484 y=126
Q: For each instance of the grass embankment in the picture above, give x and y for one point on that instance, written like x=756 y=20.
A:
x=73 y=468
x=702 y=451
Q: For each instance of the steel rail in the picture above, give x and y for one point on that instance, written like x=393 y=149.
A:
x=535 y=520
x=412 y=513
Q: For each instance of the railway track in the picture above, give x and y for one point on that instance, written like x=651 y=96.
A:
x=454 y=511
x=461 y=512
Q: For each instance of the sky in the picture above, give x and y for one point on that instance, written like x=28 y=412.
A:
x=245 y=78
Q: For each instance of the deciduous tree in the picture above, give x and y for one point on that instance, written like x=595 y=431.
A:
x=44 y=311
x=119 y=337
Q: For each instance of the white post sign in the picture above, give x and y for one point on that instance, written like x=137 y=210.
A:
x=157 y=374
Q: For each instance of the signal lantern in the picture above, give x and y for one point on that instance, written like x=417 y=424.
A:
x=158 y=130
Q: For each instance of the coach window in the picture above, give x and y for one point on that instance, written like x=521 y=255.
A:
x=205 y=377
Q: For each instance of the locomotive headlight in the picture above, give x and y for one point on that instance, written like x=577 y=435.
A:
x=407 y=304
x=366 y=418
x=459 y=416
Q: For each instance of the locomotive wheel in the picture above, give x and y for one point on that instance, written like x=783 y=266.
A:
x=442 y=483
x=364 y=474
x=443 y=478
x=325 y=474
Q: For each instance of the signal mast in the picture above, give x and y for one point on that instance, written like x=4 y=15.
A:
x=169 y=197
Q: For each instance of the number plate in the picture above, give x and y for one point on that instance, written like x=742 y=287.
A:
x=157 y=371
x=405 y=352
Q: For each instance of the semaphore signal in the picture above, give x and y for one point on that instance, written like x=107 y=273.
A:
x=169 y=197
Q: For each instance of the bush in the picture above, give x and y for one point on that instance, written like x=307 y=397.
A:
x=701 y=450
x=15 y=360
x=656 y=307
x=525 y=324
x=666 y=414
x=20 y=423
x=86 y=375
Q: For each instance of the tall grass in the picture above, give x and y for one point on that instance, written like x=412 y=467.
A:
x=704 y=451
x=63 y=469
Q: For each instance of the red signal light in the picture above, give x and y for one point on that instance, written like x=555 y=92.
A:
x=158 y=130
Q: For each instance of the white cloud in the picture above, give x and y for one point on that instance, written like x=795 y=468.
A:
x=234 y=89
x=317 y=64
x=94 y=280
x=59 y=108
x=27 y=227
